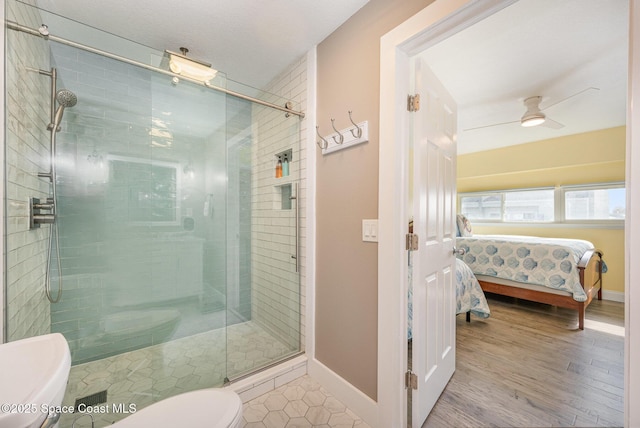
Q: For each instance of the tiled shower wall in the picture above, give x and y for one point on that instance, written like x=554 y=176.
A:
x=27 y=153
x=278 y=291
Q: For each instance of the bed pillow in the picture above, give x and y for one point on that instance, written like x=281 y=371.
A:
x=464 y=225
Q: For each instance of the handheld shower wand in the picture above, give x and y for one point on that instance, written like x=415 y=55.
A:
x=65 y=98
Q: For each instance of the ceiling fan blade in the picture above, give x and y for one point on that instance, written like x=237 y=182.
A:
x=550 y=123
x=591 y=88
x=489 y=126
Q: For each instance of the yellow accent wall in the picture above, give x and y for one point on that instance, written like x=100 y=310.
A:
x=593 y=157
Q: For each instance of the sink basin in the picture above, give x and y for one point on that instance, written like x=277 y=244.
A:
x=33 y=377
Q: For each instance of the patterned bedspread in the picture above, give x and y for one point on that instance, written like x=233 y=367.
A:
x=541 y=261
x=469 y=294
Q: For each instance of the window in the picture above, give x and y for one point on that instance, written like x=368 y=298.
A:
x=529 y=206
x=482 y=207
x=595 y=204
x=534 y=205
x=579 y=204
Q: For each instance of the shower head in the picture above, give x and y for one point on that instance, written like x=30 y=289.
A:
x=65 y=98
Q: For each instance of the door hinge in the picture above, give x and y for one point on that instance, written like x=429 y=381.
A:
x=413 y=102
x=410 y=380
x=412 y=242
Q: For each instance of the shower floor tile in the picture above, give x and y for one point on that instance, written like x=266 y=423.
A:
x=147 y=375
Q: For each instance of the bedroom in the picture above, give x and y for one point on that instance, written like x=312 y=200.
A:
x=582 y=88
x=581 y=156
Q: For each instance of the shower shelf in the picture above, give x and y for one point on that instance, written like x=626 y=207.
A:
x=283 y=196
x=288 y=154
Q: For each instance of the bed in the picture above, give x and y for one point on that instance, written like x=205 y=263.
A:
x=560 y=272
x=470 y=298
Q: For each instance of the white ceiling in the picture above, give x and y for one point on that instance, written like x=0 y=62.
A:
x=550 y=48
x=252 y=41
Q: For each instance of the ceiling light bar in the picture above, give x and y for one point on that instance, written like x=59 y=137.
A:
x=184 y=66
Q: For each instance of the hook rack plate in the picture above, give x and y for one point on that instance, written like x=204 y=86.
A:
x=349 y=138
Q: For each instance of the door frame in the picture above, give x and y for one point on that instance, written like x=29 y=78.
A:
x=632 y=233
x=429 y=26
x=426 y=28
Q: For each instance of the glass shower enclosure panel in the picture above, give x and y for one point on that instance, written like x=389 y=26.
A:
x=263 y=284
x=139 y=201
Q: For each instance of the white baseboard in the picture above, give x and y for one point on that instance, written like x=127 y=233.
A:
x=358 y=402
x=614 y=296
x=270 y=379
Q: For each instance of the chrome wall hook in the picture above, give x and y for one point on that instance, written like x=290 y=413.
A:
x=323 y=144
x=340 y=140
x=357 y=134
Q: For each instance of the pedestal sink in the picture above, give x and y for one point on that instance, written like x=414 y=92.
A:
x=33 y=379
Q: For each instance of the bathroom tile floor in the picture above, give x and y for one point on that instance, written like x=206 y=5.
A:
x=299 y=403
x=147 y=375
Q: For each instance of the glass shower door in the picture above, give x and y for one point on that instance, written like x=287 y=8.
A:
x=142 y=194
x=263 y=300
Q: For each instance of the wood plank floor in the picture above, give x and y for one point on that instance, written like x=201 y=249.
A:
x=529 y=366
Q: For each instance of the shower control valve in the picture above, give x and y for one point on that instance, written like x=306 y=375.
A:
x=48 y=205
x=36 y=214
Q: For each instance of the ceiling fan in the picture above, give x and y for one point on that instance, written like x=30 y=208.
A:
x=534 y=115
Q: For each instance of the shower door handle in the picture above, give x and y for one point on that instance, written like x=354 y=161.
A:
x=294 y=198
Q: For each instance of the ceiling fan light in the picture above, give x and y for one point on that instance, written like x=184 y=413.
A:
x=532 y=120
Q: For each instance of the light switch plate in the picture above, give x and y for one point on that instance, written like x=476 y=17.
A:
x=370 y=230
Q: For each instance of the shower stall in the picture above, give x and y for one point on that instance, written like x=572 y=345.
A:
x=177 y=260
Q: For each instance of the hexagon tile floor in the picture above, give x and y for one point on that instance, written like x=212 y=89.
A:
x=300 y=403
x=151 y=374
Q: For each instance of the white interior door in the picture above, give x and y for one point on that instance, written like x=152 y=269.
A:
x=434 y=189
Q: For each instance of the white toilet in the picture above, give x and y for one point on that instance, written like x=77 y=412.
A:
x=33 y=378
x=204 y=408
x=36 y=370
